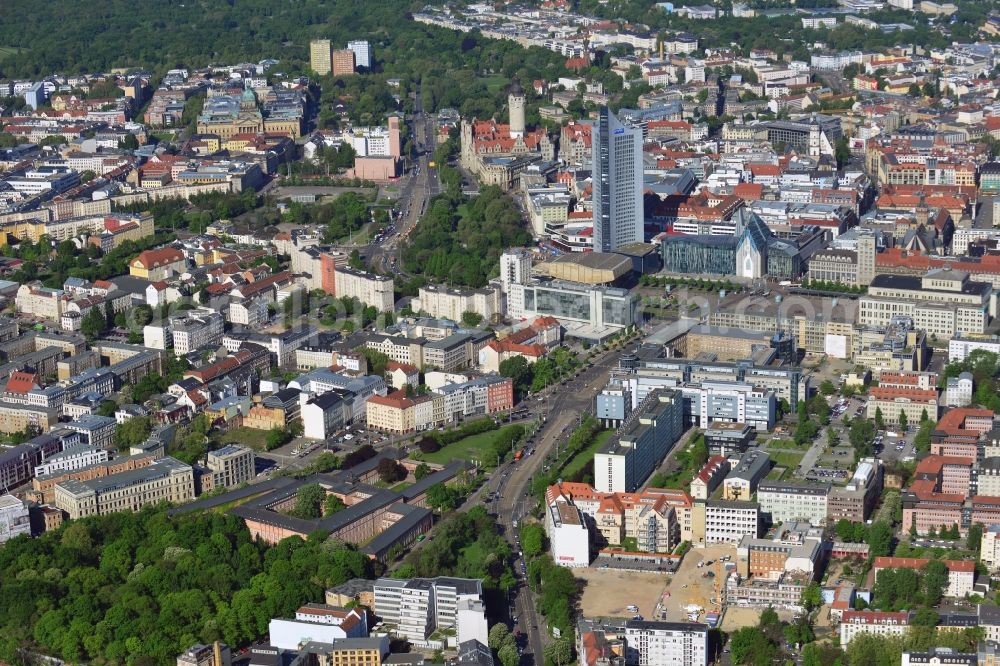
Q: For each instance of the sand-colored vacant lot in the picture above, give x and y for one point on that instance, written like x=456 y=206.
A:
x=608 y=592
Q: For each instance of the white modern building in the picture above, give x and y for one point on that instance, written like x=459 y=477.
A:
x=569 y=537
x=71 y=459
x=317 y=622
x=783 y=502
x=617 y=183
x=649 y=643
x=728 y=521
x=413 y=609
x=961 y=345
x=362 y=53
x=14 y=519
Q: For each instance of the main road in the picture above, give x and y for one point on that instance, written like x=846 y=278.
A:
x=563 y=406
x=421 y=185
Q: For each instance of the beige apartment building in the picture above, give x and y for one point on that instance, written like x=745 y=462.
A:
x=15 y=417
x=393 y=413
x=445 y=303
x=320 y=56
x=895 y=401
x=372 y=290
x=35 y=299
x=229 y=466
x=166 y=480
x=398 y=348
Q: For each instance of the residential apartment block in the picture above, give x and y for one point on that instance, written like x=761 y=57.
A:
x=413 y=609
x=658 y=519
x=448 y=303
x=881 y=623
x=641 y=443
x=620 y=642
x=724 y=521
x=372 y=290
x=783 y=501
x=227 y=467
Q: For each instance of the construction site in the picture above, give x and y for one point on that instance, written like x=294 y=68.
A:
x=693 y=593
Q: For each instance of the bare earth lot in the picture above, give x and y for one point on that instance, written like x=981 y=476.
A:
x=609 y=592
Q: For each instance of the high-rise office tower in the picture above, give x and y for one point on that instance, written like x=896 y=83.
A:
x=319 y=56
x=617 y=183
x=362 y=53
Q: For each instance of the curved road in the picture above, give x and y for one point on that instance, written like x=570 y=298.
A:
x=564 y=405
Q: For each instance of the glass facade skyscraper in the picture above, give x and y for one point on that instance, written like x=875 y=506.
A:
x=617 y=183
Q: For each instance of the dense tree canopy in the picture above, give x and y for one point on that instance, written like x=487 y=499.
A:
x=460 y=242
x=118 y=587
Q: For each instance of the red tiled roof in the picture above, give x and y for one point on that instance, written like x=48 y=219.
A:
x=396 y=399
x=749 y=191
x=20 y=382
x=405 y=367
x=156 y=258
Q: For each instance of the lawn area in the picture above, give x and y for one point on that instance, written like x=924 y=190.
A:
x=787 y=458
x=8 y=50
x=581 y=460
x=251 y=437
x=495 y=83
x=470 y=448
x=399 y=486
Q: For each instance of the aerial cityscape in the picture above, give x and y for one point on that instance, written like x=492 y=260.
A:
x=540 y=333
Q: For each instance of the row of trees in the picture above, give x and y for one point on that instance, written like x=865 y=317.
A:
x=542 y=373
x=878 y=535
x=579 y=439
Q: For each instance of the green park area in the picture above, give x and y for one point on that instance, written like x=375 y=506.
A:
x=249 y=437
x=483 y=447
x=581 y=462
x=789 y=459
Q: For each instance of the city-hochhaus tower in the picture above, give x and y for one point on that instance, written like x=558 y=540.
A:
x=617 y=183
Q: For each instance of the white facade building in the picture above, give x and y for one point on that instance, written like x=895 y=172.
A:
x=881 y=623
x=14 y=519
x=728 y=521
x=362 y=53
x=568 y=535
x=415 y=608
x=317 y=622
x=71 y=459
x=959 y=393
x=660 y=643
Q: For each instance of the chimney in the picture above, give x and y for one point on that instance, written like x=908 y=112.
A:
x=216 y=654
